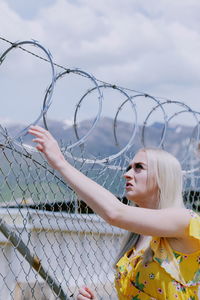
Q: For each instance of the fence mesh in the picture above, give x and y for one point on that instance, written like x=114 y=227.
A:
x=51 y=242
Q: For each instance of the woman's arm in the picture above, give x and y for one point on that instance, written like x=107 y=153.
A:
x=98 y=198
x=166 y=222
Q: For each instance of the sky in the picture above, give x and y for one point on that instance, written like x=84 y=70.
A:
x=148 y=46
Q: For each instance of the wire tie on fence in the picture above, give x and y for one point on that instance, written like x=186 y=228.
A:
x=14 y=45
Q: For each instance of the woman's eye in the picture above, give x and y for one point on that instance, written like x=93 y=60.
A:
x=128 y=168
x=138 y=166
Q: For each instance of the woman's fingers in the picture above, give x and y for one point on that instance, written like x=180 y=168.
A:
x=90 y=292
x=41 y=136
x=40 y=144
x=37 y=128
x=48 y=146
x=39 y=132
x=85 y=293
x=38 y=140
x=39 y=148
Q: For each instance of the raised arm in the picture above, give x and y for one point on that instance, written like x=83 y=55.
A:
x=98 y=198
x=153 y=222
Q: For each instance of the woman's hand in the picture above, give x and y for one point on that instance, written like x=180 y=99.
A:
x=86 y=293
x=47 y=145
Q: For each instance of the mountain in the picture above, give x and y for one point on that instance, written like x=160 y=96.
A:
x=176 y=139
x=22 y=178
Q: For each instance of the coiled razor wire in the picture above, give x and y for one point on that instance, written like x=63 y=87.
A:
x=145 y=122
x=131 y=140
x=78 y=72
x=48 y=99
x=168 y=119
x=39 y=213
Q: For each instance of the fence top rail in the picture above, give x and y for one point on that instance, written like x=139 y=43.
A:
x=56 y=221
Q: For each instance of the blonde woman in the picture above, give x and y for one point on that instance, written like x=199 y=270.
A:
x=161 y=257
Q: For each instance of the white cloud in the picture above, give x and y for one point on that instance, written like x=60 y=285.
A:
x=148 y=45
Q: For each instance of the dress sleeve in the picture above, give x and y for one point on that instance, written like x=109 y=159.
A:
x=194 y=225
x=184 y=268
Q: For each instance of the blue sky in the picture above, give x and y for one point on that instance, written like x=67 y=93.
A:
x=150 y=46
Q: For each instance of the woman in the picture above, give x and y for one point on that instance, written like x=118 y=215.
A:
x=160 y=262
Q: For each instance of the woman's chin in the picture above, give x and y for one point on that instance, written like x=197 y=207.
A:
x=130 y=196
x=133 y=198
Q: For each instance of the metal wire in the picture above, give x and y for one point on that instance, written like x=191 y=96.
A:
x=99 y=98
x=72 y=244
x=48 y=98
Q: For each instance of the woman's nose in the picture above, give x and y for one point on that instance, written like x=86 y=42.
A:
x=128 y=175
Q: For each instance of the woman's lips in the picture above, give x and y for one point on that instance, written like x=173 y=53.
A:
x=129 y=185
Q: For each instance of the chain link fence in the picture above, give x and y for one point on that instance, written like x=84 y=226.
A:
x=51 y=243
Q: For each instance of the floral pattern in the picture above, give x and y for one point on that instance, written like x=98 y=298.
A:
x=171 y=274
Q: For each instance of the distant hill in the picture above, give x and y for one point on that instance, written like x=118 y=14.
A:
x=20 y=178
x=101 y=141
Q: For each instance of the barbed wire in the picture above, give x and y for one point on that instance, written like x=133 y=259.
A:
x=68 y=70
x=98 y=88
x=44 y=215
x=47 y=102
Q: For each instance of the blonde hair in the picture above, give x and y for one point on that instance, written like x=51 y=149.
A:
x=163 y=170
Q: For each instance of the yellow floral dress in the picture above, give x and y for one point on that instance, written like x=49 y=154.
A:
x=171 y=274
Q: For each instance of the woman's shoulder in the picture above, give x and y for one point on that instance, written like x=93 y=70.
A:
x=186 y=245
x=190 y=242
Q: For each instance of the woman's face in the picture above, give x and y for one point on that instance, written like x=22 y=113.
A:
x=137 y=189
